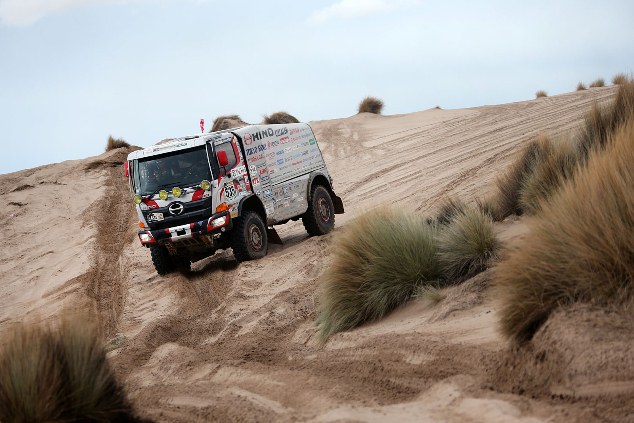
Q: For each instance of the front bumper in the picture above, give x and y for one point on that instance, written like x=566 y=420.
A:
x=216 y=224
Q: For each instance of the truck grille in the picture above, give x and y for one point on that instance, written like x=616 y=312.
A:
x=194 y=211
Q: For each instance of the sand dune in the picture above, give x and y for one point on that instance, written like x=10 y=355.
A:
x=238 y=343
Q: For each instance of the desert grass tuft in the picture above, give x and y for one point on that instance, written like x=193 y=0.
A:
x=59 y=374
x=541 y=93
x=599 y=82
x=488 y=206
x=581 y=86
x=510 y=183
x=621 y=79
x=581 y=244
x=431 y=293
x=556 y=163
x=279 y=118
x=371 y=105
x=222 y=123
x=467 y=244
x=449 y=208
x=600 y=122
x=113 y=143
x=379 y=261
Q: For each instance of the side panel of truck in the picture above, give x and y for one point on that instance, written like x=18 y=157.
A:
x=280 y=159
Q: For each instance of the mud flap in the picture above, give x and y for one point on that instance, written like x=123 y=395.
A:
x=273 y=237
x=337 y=202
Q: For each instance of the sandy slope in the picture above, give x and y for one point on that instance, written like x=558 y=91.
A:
x=231 y=342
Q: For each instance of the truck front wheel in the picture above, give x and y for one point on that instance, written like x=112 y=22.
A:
x=162 y=260
x=319 y=219
x=248 y=239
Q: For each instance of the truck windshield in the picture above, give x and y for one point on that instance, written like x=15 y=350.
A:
x=183 y=169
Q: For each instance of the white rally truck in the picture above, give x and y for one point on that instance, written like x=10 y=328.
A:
x=201 y=193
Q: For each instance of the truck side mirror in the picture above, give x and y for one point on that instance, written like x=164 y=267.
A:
x=126 y=169
x=223 y=160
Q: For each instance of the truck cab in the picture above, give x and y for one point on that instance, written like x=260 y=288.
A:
x=197 y=194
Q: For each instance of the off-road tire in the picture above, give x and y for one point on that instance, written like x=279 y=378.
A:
x=319 y=219
x=162 y=260
x=248 y=238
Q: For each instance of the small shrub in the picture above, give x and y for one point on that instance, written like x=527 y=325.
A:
x=379 y=260
x=371 y=105
x=598 y=83
x=222 y=123
x=467 y=244
x=449 y=208
x=541 y=93
x=115 y=143
x=59 y=375
x=581 y=244
x=621 y=79
x=581 y=86
x=555 y=164
x=279 y=117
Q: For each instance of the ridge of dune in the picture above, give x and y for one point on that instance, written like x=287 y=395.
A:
x=230 y=342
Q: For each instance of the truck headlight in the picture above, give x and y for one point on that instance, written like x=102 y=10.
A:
x=219 y=221
x=177 y=192
x=137 y=199
x=205 y=185
x=146 y=237
x=163 y=195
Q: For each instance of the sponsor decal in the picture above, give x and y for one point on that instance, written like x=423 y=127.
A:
x=263 y=171
x=230 y=191
x=264 y=179
x=294 y=131
x=265 y=133
x=280 y=162
x=281 y=131
x=256 y=158
x=267 y=193
x=256 y=181
x=274 y=143
x=312 y=141
x=253 y=168
x=280 y=152
x=270 y=155
x=285 y=139
x=238 y=171
x=255 y=150
x=234 y=213
x=248 y=139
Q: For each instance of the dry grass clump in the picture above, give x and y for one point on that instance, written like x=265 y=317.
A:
x=371 y=105
x=600 y=122
x=555 y=163
x=488 y=206
x=449 y=208
x=509 y=185
x=279 y=117
x=581 y=245
x=598 y=83
x=581 y=86
x=380 y=259
x=621 y=79
x=59 y=375
x=115 y=143
x=541 y=93
x=222 y=123
x=466 y=246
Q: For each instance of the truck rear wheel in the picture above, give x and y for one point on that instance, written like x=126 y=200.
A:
x=319 y=219
x=248 y=239
x=162 y=260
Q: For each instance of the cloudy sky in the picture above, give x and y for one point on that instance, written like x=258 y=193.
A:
x=74 y=71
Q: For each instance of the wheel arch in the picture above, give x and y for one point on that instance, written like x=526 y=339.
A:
x=253 y=203
x=318 y=178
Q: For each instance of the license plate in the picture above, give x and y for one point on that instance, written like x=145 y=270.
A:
x=157 y=217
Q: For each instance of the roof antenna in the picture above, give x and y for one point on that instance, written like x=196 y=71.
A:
x=202 y=125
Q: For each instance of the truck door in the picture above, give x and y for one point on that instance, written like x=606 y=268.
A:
x=232 y=180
